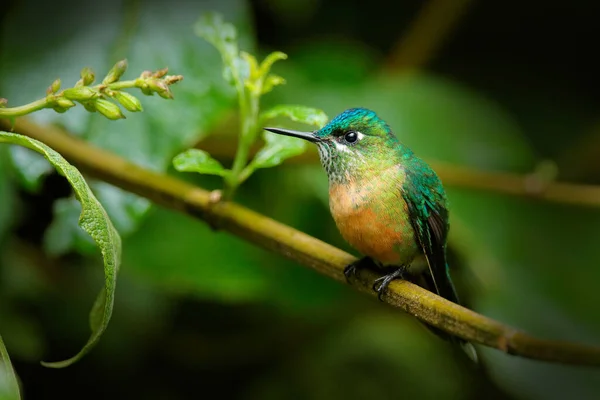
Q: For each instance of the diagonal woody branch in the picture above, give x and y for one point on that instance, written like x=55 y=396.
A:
x=306 y=250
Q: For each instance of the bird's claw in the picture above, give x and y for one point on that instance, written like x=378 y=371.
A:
x=352 y=268
x=350 y=271
x=381 y=284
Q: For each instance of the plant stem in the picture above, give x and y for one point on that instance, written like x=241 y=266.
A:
x=12 y=112
x=50 y=100
x=124 y=84
x=249 y=108
x=306 y=250
x=246 y=172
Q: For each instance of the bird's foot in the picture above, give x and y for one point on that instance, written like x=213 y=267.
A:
x=381 y=284
x=351 y=269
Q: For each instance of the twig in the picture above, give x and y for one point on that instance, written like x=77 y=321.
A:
x=530 y=185
x=304 y=249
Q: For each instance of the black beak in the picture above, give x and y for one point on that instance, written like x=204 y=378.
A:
x=310 y=136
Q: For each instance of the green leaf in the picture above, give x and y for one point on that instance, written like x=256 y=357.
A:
x=9 y=384
x=265 y=66
x=270 y=82
x=64 y=231
x=253 y=68
x=159 y=37
x=277 y=149
x=195 y=160
x=29 y=167
x=97 y=224
x=97 y=312
x=223 y=35
x=306 y=115
x=259 y=81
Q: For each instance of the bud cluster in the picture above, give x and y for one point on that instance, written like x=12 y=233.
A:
x=106 y=97
x=157 y=82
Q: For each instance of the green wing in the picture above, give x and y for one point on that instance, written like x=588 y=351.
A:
x=424 y=195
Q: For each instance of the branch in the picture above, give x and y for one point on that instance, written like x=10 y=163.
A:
x=532 y=185
x=326 y=259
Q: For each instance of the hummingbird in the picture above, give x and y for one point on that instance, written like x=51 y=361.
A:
x=387 y=203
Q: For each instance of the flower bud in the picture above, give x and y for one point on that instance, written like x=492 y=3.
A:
x=108 y=109
x=87 y=76
x=116 y=72
x=3 y=102
x=81 y=93
x=161 y=72
x=146 y=89
x=130 y=102
x=161 y=88
x=89 y=106
x=171 y=79
x=64 y=103
x=54 y=87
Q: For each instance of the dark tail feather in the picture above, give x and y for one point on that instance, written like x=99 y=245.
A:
x=446 y=289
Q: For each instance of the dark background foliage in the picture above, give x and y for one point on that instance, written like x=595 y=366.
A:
x=201 y=313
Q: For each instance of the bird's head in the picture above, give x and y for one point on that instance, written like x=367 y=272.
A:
x=355 y=142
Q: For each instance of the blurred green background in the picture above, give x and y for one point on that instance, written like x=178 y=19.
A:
x=200 y=314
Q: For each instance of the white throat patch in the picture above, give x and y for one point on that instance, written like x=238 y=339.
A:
x=339 y=159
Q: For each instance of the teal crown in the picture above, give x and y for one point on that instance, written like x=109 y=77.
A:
x=357 y=119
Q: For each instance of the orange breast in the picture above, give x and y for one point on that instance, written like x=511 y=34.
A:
x=372 y=216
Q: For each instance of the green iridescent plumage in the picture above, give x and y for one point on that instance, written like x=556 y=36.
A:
x=386 y=201
x=426 y=199
x=419 y=186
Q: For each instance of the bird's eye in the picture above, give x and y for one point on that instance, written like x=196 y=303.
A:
x=351 y=137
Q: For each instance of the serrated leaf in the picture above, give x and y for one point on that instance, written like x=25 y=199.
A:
x=195 y=160
x=9 y=384
x=306 y=115
x=277 y=149
x=95 y=222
